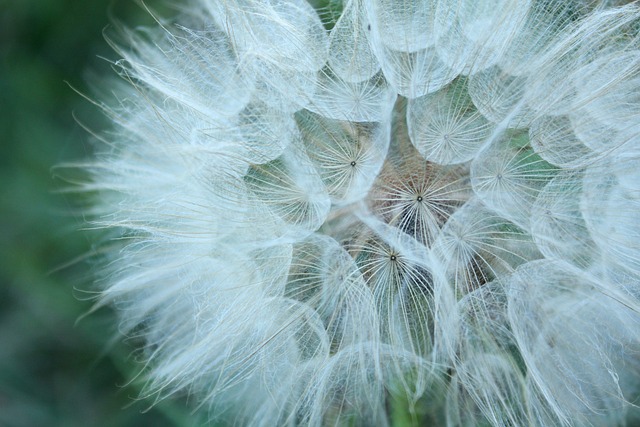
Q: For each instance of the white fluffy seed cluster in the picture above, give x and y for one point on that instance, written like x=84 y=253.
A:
x=329 y=214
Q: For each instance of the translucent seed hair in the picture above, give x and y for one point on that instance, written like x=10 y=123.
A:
x=372 y=212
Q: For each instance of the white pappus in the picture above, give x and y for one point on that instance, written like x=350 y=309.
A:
x=329 y=213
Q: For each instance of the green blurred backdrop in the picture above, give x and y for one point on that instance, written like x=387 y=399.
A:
x=56 y=370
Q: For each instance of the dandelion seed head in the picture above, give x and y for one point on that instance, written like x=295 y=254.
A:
x=328 y=212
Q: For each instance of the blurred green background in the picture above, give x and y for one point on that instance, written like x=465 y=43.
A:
x=56 y=370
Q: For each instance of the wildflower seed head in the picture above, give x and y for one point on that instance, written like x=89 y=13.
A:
x=326 y=213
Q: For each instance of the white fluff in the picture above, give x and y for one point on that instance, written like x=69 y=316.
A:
x=426 y=208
